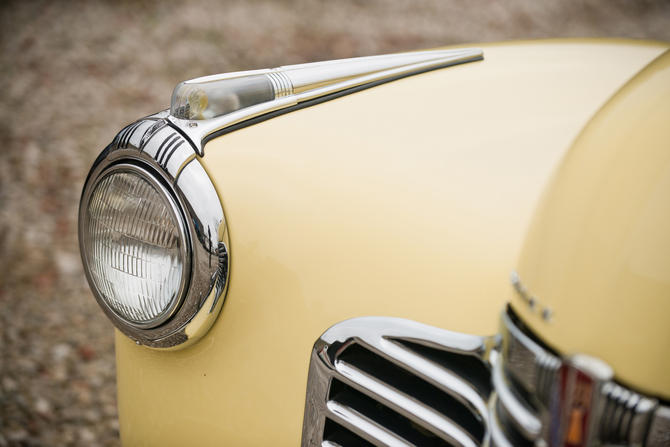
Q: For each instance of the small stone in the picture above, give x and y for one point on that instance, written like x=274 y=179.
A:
x=60 y=372
x=83 y=391
x=68 y=263
x=68 y=434
x=86 y=435
x=86 y=353
x=92 y=415
x=17 y=435
x=9 y=385
x=12 y=334
x=43 y=407
x=72 y=414
x=113 y=424
x=61 y=352
x=96 y=381
x=110 y=410
x=27 y=366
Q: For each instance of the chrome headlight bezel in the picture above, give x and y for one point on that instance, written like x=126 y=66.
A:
x=155 y=148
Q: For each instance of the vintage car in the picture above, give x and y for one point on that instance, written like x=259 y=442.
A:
x=357 y=291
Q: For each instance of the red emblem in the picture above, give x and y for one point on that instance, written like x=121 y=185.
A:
x=574 y=401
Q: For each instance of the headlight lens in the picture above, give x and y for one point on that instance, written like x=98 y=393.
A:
x=135 y=246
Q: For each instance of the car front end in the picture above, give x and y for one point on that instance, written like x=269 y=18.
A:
x=387 y=199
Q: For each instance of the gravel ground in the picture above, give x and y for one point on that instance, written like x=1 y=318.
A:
x=74 y=73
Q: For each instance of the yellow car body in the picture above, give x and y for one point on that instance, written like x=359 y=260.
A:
x=412 y=199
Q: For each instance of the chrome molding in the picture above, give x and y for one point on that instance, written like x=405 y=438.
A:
x=295 y=84
x=153 y=144
x=533 y=398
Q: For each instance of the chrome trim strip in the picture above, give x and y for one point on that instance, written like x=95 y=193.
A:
x=311 y=81
x=626 y=415
x=153 y=143
x=232 y=75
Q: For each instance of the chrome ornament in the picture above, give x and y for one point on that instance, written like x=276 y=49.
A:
x=531 y=301
x=240 y=96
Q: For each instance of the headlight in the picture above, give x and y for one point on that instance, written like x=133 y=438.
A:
x=153 y=238
x=135 y=246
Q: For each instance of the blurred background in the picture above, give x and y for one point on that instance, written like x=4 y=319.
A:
x=72 y=74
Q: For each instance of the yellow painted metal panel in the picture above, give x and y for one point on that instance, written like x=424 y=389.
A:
x=599 y=250
x=410 y=199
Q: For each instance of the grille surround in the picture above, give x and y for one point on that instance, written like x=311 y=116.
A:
x=382 y=339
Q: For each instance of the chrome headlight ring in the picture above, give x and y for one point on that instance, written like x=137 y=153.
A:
x=159 y=153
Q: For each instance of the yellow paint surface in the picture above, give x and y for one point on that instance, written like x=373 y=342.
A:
x=599 y=250
x=410 y=199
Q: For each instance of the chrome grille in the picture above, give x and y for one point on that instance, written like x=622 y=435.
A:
x=377 y=381
x=383 y=381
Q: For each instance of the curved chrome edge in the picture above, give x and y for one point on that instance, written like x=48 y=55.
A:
x=154 y=143
x=299 y=83
x=498 y=437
